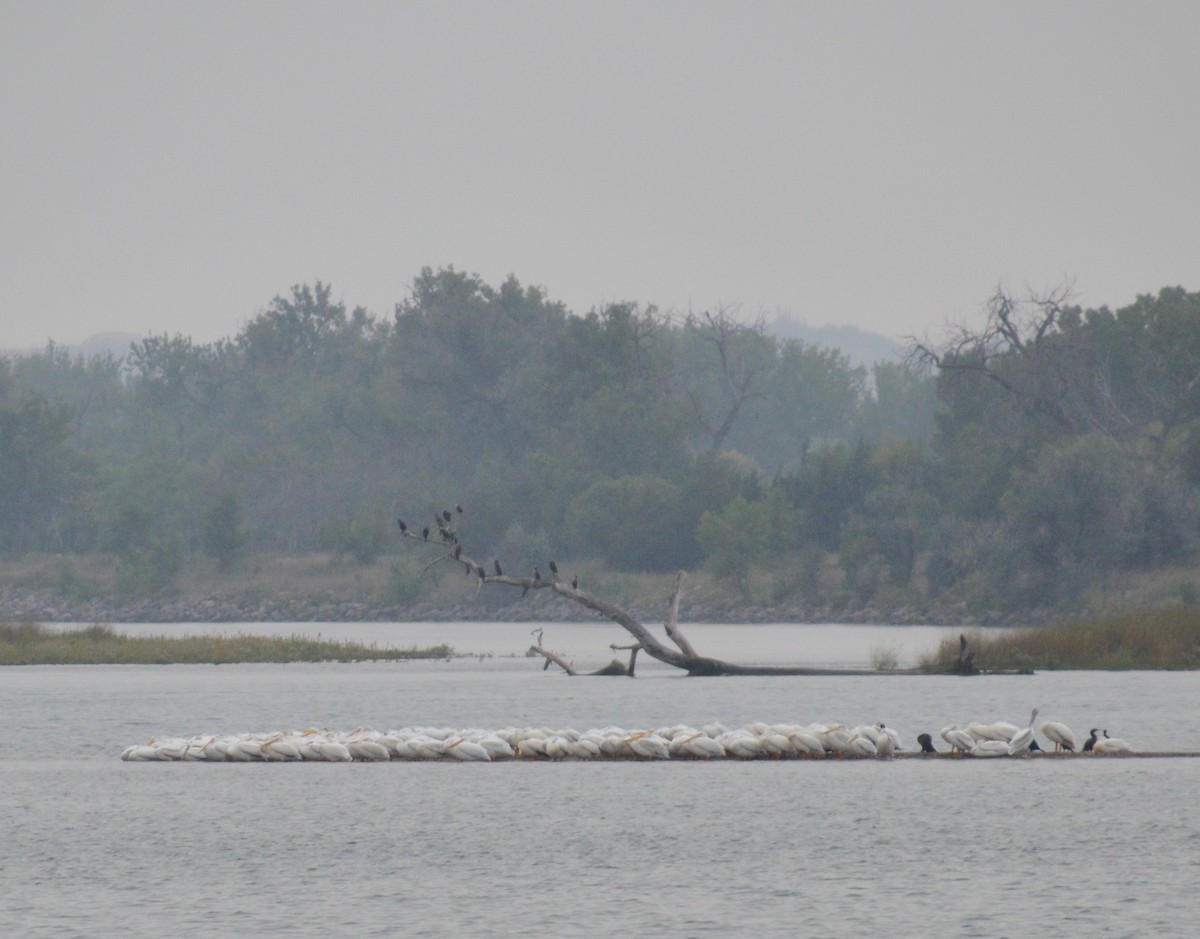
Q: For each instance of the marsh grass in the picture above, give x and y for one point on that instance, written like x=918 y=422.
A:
x=1165 y=639
x=33 y=644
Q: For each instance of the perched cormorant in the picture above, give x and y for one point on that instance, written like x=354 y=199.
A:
x=446 y=514
x=574 y=583
x=425 y=532
x=457 y=551
x=400 y=522
x=537 y=575
x=496 y=564
x=553 y=568
x=1090 y=743
x=926 y=742
x=458 y=508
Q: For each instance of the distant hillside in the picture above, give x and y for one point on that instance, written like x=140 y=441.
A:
x=859 y=346
x=100 y=344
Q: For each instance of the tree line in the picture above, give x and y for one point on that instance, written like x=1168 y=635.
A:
x=1014 y=461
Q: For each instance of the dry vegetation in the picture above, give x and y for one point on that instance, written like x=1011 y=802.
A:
x=1165 y=639
x=33 y=644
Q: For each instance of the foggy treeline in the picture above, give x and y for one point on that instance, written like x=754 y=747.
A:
x=1015 y=462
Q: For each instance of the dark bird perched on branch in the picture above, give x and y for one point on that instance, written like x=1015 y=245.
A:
x=446 y=514
x=574 y=583
x=553 y=568
x=425 y=532
x=537 y=575
x=926 y=742
x=457 y=551
x=400 y=522
x=458 y=508
x=496 y=564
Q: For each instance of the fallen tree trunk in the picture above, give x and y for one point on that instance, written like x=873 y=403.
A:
x=683 y=656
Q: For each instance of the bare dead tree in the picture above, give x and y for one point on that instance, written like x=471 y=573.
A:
x=1016 y=350
x=739 y=368
x=680 y=653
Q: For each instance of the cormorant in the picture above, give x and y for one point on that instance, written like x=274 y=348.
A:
x=926 y=742
x=496 y=564
x=537 y=575
x=425 y=532
x=574 y=583
x=458 y=508
x=553 y=568
x=457 y=551
x=400 y=522
x=446 y=514
x=1090 y=743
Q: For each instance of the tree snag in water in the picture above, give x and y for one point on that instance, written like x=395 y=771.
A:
x=683 y=656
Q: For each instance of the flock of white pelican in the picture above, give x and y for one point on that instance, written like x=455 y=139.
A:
x=711 y=742
x=1001 y=738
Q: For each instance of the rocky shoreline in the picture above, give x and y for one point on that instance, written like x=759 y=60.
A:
x=22 y=605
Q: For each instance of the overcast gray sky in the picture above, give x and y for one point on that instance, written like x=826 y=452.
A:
x=170 y=167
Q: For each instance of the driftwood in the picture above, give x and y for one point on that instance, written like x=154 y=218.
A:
x=443 y=538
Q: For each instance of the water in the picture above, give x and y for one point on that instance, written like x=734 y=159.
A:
x=96 y=847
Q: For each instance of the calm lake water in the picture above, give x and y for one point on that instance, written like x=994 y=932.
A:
x=93 y=846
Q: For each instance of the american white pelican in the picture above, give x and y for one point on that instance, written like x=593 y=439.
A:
x=700 y=746
x=462 y=749
x=807 y=744
x=649 y=746
x=741 y=745
x=990 y=748
x=999 y=730
x=279 y=748
x=1023 y=738
x=1061 y=735
x=960 y=741
x=1112 y=745
x=860 y=746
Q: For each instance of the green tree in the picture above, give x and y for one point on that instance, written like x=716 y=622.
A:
x=222 y=535
x=745 y=533
x=631 y=523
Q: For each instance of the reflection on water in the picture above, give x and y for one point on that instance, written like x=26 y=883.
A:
x=97 y=847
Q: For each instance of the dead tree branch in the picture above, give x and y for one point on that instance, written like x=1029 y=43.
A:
x=683 y=656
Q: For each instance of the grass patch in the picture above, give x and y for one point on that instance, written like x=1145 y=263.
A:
x=33 y=644
x=1165 y=639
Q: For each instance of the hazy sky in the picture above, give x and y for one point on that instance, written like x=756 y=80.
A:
x=170 y=167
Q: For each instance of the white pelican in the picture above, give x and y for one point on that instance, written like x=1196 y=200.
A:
x=279 y=748
x=364 y=747
x=891 y=732
x=1060 y=734
x=649 y=746
x=959 y=739
x=997 y=730
x=807 y=744
x=990 y=748
x=531 y=748
x=741 y=745
x=700 y=746
x=497 y=747
x=860 y=746
x=1023 y=738
x=1112 y=745
x=462 y=749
